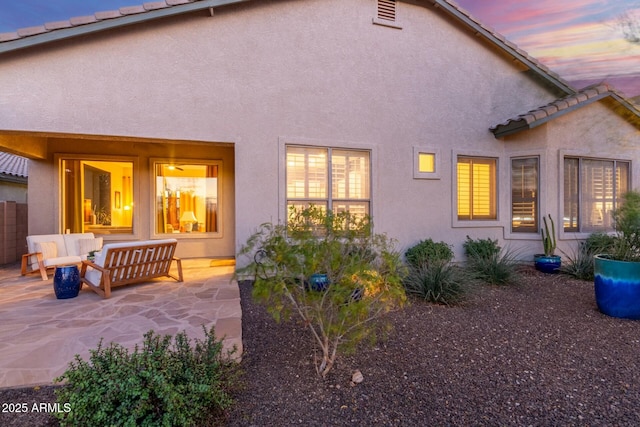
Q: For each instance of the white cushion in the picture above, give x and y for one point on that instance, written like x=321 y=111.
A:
x=48 y=249
x=62 y=260
x=85 y=246
x=71 y=242
x=93 y=277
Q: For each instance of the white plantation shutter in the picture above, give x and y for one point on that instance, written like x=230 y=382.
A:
x=476 y=188
x=524 y=195
x=591 y=191
x=307 y=173
x=337 y=179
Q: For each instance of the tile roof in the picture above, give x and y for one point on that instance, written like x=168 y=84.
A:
x=58 y=30
x=11 y=164
x=90 y=19
x=552 y=110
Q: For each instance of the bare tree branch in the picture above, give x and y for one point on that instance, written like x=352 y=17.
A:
x=629 y=25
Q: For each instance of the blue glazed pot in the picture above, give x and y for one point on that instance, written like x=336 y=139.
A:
x=617 y=287
x=547 y=264
x=66 y=282
x=318 y=282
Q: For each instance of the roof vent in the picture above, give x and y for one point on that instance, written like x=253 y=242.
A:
x=387 y=10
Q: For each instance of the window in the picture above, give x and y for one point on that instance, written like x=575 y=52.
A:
x=187 y=197
x=425 y=163
x=477 y=188
x=592 y=188
x=336 y=179
x=97 y=196
x=524 y=195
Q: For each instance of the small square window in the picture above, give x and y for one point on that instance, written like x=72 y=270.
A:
x=425 y=163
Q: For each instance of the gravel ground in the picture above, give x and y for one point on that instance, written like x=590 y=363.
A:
x=537 y=353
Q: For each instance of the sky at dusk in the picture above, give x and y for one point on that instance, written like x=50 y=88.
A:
x=578 y=39
x=581 y=40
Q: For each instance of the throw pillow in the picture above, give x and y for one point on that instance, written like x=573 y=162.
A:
x=88 y=245
x=48 y=249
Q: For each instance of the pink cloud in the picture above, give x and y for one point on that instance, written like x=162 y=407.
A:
x=578 y=39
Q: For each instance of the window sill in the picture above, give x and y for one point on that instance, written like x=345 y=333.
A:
x=184 y=235
x=457 y=223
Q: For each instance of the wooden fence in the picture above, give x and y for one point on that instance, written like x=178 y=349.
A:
x=13 y=231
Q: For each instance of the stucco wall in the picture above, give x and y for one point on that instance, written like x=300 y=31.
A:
x=261 y=74
x=14 y=192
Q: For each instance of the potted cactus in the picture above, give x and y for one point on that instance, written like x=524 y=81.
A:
x=548 y=262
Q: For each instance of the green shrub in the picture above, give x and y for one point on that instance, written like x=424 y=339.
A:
x=428 y=251
x=480 y=248
x=439 y=282
x=599 y=243
x=579 y=263
x=160 y=385
x=488 y=262
x=363 y=270
x=627 y=221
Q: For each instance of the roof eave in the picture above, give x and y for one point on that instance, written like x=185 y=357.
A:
x=516 y=126
x=107 y=24
x=4 y=177
x=510 y=128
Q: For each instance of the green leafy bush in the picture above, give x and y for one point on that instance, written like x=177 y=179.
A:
x=427 y=251
x=481 y=248
x=599 y=243
x=439 y=282
x=488 y=262
x=159 y=385
x=363 y=271
x=627 y=220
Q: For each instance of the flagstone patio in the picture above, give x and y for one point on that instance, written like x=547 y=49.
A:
x=39 y=334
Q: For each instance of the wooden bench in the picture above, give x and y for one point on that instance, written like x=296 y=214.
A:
x=121 y=264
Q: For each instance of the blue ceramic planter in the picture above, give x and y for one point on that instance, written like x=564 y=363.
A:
x=318 y=282
x=547 y=264
x=617 y=287
x=66 y=282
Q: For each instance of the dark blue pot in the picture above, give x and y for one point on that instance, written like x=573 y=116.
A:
x=617 y=287
x=547 y=264
x=66 y=282
x=318 y=282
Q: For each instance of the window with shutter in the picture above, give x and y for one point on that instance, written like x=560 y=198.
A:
x=477 y=188
x=592 y=188
x=332 y=178
x=524 y=195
